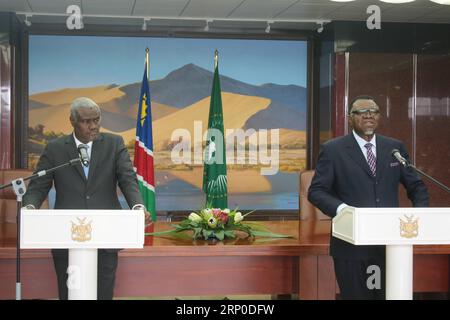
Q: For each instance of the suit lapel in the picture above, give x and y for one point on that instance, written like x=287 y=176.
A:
x=97 y=150
x=383 y=155
x=72 y=151
x=356 y=154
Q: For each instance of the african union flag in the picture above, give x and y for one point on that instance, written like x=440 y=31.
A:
x=215 y=164
x=143 y=149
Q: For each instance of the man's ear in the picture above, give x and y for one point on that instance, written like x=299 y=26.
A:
x=350 y=121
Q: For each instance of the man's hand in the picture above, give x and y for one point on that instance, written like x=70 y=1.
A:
x=148 y=217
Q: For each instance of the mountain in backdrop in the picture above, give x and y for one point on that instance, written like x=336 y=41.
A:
x=180 y=88
x=191 y=83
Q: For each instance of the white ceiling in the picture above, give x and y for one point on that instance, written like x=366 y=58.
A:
x=228 y=12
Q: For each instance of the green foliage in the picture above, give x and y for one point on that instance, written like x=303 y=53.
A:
x=220 y=224
x=38 y=134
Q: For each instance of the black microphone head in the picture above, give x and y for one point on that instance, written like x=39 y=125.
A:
x=84 y=156
x=397 y=155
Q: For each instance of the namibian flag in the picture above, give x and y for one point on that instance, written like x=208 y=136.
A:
x=143 y=149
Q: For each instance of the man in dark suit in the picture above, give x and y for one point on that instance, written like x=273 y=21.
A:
x=358 y=170
x=92 y=187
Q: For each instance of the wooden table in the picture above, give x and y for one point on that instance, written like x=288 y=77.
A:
x=182 y=267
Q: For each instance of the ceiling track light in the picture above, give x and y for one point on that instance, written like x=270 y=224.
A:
x=144 y=24
x=206 y=28
x=320 y=28
x=28 y=22
x=268 y=26
x=146 y=19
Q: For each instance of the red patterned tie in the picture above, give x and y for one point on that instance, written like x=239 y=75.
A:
x=371 y=160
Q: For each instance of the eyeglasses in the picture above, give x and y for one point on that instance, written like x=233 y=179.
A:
x=367 y=111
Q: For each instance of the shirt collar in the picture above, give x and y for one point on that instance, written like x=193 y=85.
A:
x=78 y=142
x=362 y=142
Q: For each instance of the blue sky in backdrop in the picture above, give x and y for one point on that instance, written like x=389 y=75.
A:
x=57 y=62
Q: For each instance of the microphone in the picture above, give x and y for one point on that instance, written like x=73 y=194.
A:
x=395 y=153
x=84 y=155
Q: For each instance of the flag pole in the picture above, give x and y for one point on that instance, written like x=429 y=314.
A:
x=216 y=58
x=146 y=61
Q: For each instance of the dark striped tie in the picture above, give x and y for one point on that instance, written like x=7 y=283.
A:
x=371 y=160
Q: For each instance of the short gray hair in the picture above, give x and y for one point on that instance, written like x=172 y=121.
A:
x=363 y=97
x=82 y=103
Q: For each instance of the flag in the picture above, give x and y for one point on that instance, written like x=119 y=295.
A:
x=215 y=167
x=143 y=148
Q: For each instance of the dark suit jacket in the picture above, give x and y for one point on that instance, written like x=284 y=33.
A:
x=110 y=166
x=343 y=175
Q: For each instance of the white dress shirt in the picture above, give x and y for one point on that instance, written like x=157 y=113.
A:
x=362 y=143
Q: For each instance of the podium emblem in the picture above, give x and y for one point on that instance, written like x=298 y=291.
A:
x=81 y=232
x=409 y=228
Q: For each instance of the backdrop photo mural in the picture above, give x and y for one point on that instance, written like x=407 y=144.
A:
x=263 y=86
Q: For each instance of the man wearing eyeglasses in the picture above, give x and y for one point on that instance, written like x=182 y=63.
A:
x=358 y=170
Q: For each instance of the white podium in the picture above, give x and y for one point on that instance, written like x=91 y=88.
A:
x=82 y=232
x=399 y=229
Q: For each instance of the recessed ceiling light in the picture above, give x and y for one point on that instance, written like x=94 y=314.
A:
x=28 y=22
x=447 y=2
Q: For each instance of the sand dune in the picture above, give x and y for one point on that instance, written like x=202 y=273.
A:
x=163 y=128
x=54 y=119
x=99 y=94
x=159 y=110
x=236 y=110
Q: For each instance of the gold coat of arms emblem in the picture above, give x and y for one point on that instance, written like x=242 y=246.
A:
x=81 y=232
x=409 y=228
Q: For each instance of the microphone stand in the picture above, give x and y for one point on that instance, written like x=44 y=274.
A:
x=438 y=183
x=20 y=189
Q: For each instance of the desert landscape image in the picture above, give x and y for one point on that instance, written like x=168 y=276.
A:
x=178 y=101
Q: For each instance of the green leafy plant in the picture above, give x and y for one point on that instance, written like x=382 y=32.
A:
x=220 y=224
